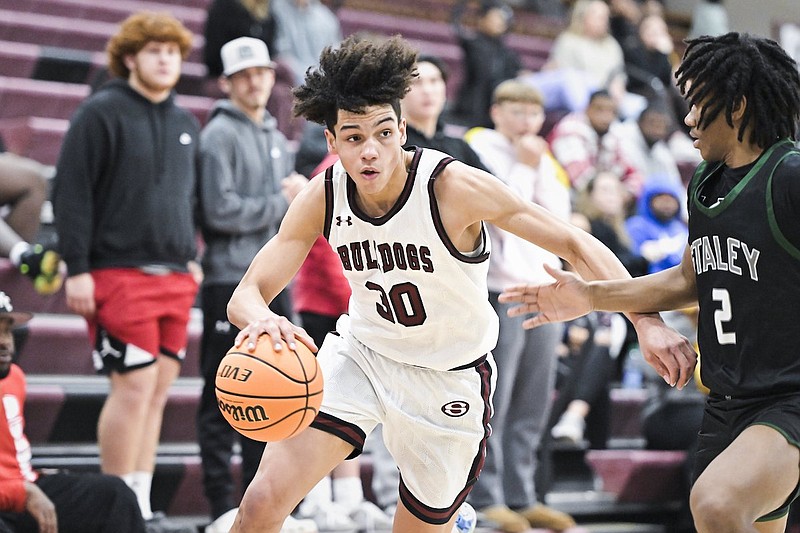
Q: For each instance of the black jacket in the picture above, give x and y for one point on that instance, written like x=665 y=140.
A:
x=228 y=20
x=452 y=146
x=124 y=189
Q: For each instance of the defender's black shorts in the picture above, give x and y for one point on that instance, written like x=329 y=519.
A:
x=725 y=418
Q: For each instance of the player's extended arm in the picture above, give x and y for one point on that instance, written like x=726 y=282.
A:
x=668 y=352
x=273 y=268
x=570 y=296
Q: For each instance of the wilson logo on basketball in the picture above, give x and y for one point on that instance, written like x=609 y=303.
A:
x=251 y=413
x=234 y=372
x=456 y=408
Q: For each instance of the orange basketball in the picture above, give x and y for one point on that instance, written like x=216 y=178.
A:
x=268 y=395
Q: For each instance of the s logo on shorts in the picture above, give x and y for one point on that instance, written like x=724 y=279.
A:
x=456 y=408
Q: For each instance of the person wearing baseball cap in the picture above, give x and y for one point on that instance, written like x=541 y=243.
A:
x=48 y=503
x=246 y=181
x=244 y=52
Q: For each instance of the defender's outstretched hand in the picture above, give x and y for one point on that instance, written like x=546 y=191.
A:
x=565 y=299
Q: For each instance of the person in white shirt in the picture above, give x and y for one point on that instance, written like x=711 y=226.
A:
x=526 y=360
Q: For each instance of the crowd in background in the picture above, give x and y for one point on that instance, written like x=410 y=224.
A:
x=596 y=136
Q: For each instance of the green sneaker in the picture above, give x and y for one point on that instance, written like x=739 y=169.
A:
x=42 y=264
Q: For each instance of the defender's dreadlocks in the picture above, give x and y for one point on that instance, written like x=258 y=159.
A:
x=723 y=70
x=358 y=74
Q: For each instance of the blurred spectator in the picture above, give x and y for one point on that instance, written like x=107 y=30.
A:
x=709 y=17
x=671 y=420
x=32 y=501
x=245 y=184
x=526 y=359
x=304 y=29
x=23 y=191
x=487 y=60
x=422 y=108
x=644 y=143
x=650 y=60
x=586 y=370
x=587 y=46
x=123 y=201
x=585 y=58
x=602 y=204
x=229 y=19
x=580 y=142
x=658 y=232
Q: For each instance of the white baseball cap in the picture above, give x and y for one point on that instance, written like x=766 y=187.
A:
x=7 y=311
x=244 y=52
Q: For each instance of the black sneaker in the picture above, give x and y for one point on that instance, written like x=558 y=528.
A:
x=42 y=264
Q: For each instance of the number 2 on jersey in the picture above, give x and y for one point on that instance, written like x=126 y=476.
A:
x=723 y=315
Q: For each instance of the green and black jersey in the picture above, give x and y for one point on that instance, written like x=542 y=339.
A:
x=743 y=234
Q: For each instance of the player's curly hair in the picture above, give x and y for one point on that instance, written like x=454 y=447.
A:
x=141 y=28
x=358 y=74
x=725 y=69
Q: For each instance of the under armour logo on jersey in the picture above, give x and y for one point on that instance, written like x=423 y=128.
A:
x=456 y=408
x=348 y=220
x=222 y=326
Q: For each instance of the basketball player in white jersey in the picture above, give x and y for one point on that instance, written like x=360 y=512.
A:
x=414 y=353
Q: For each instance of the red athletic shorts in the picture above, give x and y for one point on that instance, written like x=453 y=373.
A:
x=139 y=316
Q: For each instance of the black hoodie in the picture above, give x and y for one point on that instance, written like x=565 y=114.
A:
x=124 y=190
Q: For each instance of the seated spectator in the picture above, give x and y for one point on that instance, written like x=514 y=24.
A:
x=588 y=355
x=487 y=60
x=583 y=407
x=585 y=58
x=650 y=61
x=31 y=501
x=23 y=191
x=230 y=19
x=587 y=46
x=580 y=142
x=657 y=231
x=644 y=142
x=422 y=108
x=602 y=204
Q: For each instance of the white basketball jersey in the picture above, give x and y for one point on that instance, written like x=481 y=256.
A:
x=416 y=298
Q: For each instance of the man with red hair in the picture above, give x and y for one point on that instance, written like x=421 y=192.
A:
x=123 y=200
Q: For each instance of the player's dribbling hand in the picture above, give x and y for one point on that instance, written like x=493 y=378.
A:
x=565 y=299
x=277 y=327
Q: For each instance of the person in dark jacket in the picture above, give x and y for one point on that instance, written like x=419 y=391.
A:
x=123 y=202
x=228 y=19
x=488 y=60
x=423 y=108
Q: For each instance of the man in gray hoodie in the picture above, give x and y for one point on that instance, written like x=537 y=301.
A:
x=246 y=181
